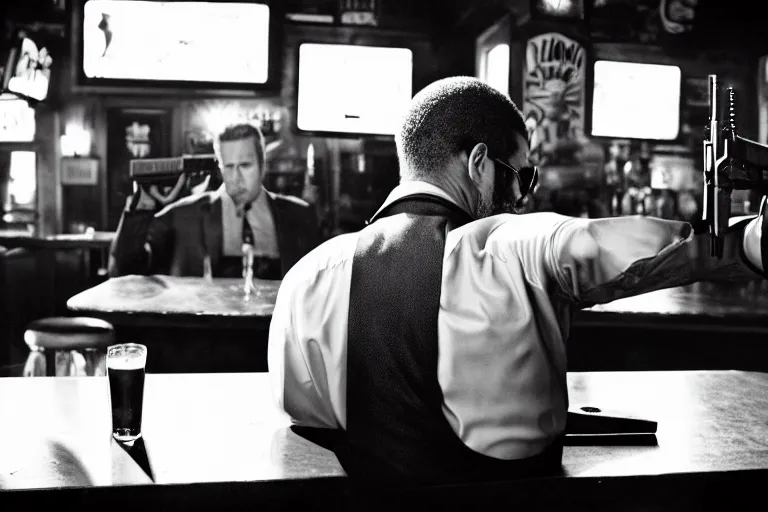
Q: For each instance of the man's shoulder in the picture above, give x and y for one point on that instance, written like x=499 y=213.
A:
x=288 y=201
x=292 y=207
x=502 y=232
x=539 y=222
x=189 y=204
x=329 y=258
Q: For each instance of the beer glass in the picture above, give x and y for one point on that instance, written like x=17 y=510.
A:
x=125 y=367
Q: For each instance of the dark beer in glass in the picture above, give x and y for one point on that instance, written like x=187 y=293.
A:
x=125 y=368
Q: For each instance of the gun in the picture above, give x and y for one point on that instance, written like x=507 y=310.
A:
x=166 y=173
x=731 y=162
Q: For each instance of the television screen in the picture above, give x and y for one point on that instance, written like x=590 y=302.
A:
x=28 y=70
x=220 y=42
x=636 y=101
x=351 y=89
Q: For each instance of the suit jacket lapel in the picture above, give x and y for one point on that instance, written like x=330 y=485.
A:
x=278 y=220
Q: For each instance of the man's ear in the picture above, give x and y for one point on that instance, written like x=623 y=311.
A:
x=477 y=163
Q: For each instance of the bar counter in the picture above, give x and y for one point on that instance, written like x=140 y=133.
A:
x=702 y=306
x=702 y=326
x=188 y=324
x=217 y=441
x=168 y=301
x=210 y=327
x=96 y=240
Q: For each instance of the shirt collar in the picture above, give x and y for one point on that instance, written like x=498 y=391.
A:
x=412 y=187
x=258 y=204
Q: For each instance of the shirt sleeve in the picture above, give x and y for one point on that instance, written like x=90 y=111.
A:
x=307 y=337
x=601 y=260
x=143 y=242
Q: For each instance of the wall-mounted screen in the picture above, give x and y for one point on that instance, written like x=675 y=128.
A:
x=27 y=72
x=212 y=42
x=636 y=101
x=349 y=89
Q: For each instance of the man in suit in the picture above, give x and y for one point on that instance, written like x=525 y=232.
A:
x=204 y=233
x=433 y=342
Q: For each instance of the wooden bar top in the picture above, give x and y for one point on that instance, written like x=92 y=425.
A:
x=700 y=306
x=190 y=301
x=210 y=429
x=96 y=240
x=187 y=301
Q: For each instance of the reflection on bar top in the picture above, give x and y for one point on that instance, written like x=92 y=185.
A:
x=702 y=299
x=171 y=295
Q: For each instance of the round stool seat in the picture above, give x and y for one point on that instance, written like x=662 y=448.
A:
x=69 y=333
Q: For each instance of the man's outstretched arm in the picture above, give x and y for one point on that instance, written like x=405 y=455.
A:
x=601 y=260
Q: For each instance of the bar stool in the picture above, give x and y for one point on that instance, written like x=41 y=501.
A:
x=79 y=343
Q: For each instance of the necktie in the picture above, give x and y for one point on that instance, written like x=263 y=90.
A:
x=247 y=231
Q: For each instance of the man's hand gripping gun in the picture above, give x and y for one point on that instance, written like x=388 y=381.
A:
x=731 y=162
x=165 y=178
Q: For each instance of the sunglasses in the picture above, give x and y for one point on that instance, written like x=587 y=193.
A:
x=527 y=176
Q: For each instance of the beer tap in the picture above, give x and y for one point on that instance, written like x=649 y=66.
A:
x=731 y=162
x=248 y=285
x=248 y=248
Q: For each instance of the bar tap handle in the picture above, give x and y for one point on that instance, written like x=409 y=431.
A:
x=248 y=285
x=207 y=267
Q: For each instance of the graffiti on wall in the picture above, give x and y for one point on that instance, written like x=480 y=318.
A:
x=553 y=97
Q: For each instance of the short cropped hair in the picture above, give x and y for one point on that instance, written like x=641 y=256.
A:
x=448 y=117
x=243 y=131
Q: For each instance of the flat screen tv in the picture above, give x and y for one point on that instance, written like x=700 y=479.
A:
x=27 y=72
x=351 y=90
x=636 y=101
x=216 y=44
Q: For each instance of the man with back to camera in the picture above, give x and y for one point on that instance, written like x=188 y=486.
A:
x=434 y=345
x=214 y=225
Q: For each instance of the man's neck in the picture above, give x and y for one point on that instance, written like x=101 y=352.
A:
x=454 y=190
x=258 y=204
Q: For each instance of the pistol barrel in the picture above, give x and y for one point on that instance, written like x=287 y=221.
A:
x=171 y=167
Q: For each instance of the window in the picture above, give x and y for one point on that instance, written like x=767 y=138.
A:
x=22 y=187
x=496 y=68
x=17 y=120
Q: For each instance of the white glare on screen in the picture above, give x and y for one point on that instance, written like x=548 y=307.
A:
x=497 y=68
x=179 y=41
x=633 y=100
x=353 y=89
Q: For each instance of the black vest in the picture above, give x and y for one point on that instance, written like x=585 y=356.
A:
x=396 y=430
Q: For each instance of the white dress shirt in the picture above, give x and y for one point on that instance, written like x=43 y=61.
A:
x=261 y=222
x=510 y=286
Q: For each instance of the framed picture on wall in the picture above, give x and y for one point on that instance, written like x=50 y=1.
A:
x=132 y=133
